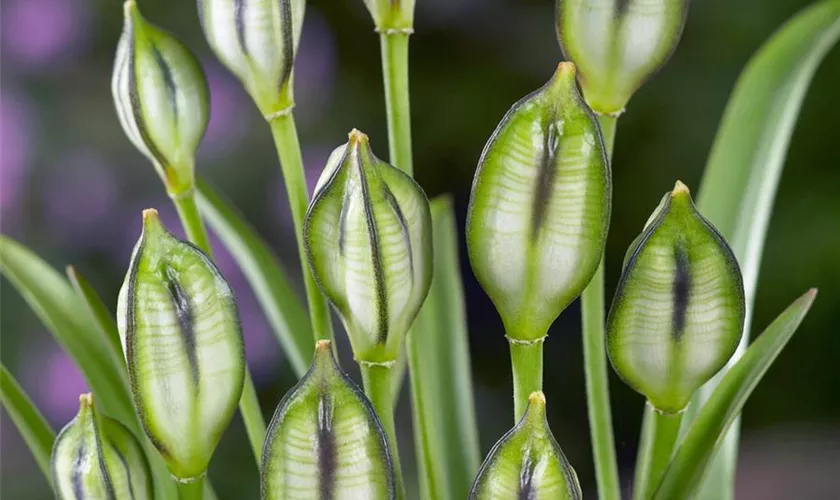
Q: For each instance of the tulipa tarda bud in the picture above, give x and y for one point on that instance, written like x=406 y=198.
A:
x=540 y=207
x=257 y=40
x=678 y=311
x=326 y=435
x=161 y=98
x=96 y=457
x=183 y=345
x=618 y=44
x=369 y=242
x=527 y=463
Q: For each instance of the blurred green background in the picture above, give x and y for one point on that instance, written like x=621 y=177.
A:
x=72 y=187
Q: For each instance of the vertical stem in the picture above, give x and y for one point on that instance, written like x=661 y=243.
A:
x=659 y=434
x=394 y=49
x=377 y=381
x=526 y=358
x=595 y=365
x=291 y=163
x=191 y=491
x=249 y=405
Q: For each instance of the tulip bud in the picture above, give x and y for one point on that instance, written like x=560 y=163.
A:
x=618 y=44
x=540 y=207
x=97 y=457
x=161 y=97
x=325 y=435
x=257 y=40
x=527 y=462
x=678 y=311
x=368 y=236
x=183 y=345
x=397 y=15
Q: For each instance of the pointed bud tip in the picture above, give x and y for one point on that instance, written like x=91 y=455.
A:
x=680 y=189
x=129 y=8
x=356 y=137
x=86 y=400
x=322 y=346
x=537 y=398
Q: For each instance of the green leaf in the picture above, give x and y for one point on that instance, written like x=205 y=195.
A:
x=37 y=433
x=708 y=430
x=98 y=310
x=66 y=316
x=441 y=385
x=746 y=161
x=279 y=302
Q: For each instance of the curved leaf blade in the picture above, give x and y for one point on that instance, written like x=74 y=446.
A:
x=742 y=174
x=33 y=427
x=708 y=431
x=277 y=298
x=103 y=317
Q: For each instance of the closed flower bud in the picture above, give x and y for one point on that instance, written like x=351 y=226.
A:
x=678 y=311
x=257 y=40
x=618 y=44
x=540 y=207
x=396 y=15
x=96 y=457
x=183 y=345
x=369 y=242
x=161 y=97
x=325 y=435
x=527 y=462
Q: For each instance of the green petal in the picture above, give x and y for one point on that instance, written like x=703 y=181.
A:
x=527 y=463
x=540 y=207
x=618 y=44
x=95 y=457
x=183 y=343
x=325 y=440
x=368 y=235
x=678 y=311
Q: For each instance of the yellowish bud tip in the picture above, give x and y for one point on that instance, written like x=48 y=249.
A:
x=357 y=137
x=86 y=400
x=129 y=8
x=565 y=69
x=537 y=397
x=322 y=346
x=680 y=189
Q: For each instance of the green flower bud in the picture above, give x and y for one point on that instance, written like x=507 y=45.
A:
x=540 y=207
x=96 y=457
x=183 y=345
x=618 y=44
x=527 y=463
x=161 y=97
x=325 y=437
x=257 y=40
x=678 y=311
x=368 y=236
x=392 y=15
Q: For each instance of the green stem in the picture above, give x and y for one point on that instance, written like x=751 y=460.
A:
x=291 y=163
x=659 y=434
x=526 y=359
x=377 y=381
x=595 y=366
x=394 y=49
x=249 y=405
x=191 y=491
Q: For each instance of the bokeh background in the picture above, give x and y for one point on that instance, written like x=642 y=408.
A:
x=72 y=187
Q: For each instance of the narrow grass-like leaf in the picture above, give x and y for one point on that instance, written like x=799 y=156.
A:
x=98 y=310
x=279 y=301
x=33 y=427
x=325 y=440
x=66 y=316
x=445 y=431
x=709 y=428
x=746 y=161
x=527 y=463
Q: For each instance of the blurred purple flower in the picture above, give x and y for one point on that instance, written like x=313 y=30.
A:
x=228 y=121
x=57 y=382
x=41 y=33
x=314 y=67
x=15 y=130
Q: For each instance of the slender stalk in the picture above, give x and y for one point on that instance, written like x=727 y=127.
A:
x=377 y=381
x=291 y=163
x=394 y=49
x=191 y=491
x=659 y=434
x=249 y=405
x=595 y=366
x=526 y=359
